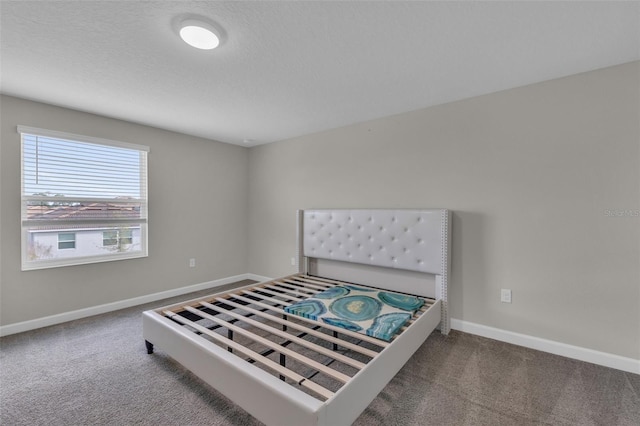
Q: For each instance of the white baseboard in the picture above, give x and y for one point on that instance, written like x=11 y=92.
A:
x=575 y=352
x=19 y=327
x=259 y=278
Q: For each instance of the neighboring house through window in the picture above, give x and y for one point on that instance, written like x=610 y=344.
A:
x=84 y=199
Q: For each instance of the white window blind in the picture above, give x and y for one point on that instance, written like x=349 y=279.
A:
x=85 y=186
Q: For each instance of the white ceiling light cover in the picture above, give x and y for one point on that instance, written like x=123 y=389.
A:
x=199 y=35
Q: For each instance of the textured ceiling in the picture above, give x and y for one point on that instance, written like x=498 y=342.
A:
x=286 y=69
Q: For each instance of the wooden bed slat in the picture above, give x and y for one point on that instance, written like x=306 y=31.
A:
x=300 y=327
x=310 y=291
x=310 y=345
x=305 y=284
x=272 y=345
x=298 y=294
x=195 y=301
x=290 y=374
x=322 y=280
x=279 y=302
x=307 y=278
x=275 y=293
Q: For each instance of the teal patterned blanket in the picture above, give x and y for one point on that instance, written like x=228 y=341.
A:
x=376 y=313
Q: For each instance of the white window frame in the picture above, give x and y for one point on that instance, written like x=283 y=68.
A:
x=28 y=264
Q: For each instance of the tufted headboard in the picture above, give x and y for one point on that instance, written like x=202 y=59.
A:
x=376 y=242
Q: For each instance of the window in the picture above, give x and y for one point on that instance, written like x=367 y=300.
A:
x=84 y=199
x=117 y=237
x=110 y=238
x=125 y=236
x=66 y=240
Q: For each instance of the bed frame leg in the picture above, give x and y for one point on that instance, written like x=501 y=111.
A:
x=283 y=358
x=283 y=361
x=149 y=346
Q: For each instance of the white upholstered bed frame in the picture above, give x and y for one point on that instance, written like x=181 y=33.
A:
x=399 y=250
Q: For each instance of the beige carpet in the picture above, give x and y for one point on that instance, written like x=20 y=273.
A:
x=96 y=371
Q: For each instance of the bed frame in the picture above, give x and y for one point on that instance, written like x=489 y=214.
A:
x=288 y=370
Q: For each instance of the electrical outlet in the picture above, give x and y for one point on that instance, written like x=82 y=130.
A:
x=192 y=263
x=505 y=295
x=293 y=261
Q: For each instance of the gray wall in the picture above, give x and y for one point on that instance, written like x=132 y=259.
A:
x=197 y=208
x=530 y=174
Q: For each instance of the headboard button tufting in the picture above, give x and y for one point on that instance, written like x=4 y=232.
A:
x=406 y=237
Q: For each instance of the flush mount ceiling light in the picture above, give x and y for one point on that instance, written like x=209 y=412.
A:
x=199 y=34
